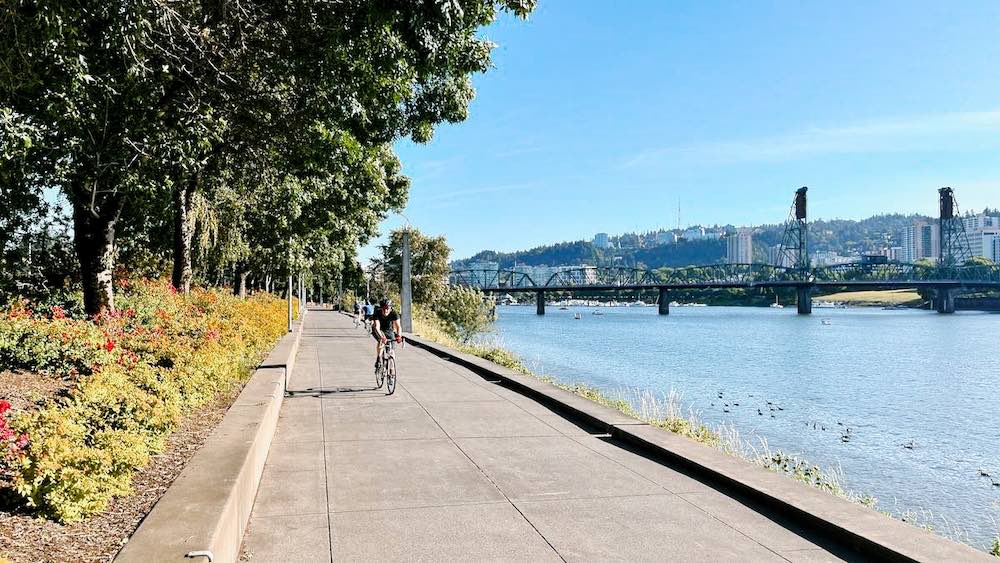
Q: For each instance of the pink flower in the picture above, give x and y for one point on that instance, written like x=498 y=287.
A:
x=58 y=312
x=22 y=441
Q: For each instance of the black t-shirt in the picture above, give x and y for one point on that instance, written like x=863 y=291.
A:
x=385 y=320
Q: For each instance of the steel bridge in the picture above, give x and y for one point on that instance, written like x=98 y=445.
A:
x=856 y=276
x=946 y=278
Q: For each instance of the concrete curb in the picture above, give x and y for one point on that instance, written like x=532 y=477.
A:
x=207 y=508
x=868 y=532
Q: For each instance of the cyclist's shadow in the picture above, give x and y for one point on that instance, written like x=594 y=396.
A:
x=320 y=391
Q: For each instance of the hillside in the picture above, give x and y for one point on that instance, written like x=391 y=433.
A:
x=843 y=236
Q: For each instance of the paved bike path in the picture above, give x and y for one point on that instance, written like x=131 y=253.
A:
x=453 y=467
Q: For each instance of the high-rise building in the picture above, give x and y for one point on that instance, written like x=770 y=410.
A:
x=739 y=247
x=990 y=240
x=976 y=229
x=921 y=240
x=602 y=240
x=776 y=257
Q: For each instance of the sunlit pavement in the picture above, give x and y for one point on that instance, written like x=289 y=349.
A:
x=453 y=467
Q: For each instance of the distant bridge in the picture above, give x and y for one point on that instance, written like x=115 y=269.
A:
x=857 y=276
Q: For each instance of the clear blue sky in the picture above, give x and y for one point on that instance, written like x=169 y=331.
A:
x=601 y=116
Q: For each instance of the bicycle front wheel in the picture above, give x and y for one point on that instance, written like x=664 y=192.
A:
x=390 y=376
x=380 y=374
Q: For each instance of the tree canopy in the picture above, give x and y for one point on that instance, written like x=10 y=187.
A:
x=222 y=138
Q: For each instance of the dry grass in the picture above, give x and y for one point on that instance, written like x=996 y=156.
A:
x=885 y=298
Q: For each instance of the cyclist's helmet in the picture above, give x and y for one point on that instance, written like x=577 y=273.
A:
x=385 y=303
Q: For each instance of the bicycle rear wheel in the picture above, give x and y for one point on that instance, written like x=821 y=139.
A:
x=390 y=375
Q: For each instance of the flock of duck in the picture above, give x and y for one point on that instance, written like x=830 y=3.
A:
x=846 y=433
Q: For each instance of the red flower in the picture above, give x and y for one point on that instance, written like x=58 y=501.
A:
x=4 y=406
x=109 y=345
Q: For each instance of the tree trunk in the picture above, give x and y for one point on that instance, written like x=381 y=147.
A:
x=240 y=283
x=94 y=238
x=183 y=234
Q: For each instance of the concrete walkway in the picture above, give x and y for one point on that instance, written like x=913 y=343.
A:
x=453 y=467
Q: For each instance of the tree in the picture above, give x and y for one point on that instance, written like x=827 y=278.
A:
x=978 y=261
x=428 y=264
x=464 y=312
x=123 y=107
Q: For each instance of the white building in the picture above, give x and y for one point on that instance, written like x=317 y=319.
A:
x=602 y=240
x=666 y=237
x=829 y=258
x=695 y=233
x=921 y=240
x=990 y=239
x=739 y=247
x=977 y=228
x=776 y=257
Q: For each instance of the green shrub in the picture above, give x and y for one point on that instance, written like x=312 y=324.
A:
x=995 y=550
x=138 y=371
x=463 y=312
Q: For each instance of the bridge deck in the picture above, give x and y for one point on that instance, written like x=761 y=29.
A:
x=453 y=467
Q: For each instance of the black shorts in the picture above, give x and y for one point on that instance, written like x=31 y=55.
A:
x=389 y=335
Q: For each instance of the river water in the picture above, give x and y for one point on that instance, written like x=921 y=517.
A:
x=920 y=391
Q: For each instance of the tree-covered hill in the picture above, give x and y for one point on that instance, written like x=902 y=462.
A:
x=843 y=236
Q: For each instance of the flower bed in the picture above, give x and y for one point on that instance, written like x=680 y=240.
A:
x=132 y=374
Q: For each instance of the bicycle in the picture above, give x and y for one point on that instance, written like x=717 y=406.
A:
x=386 y=372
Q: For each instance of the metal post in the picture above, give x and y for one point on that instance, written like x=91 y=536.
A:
x=540 y=302
x=289 y=303
x=406 y=290
x=664 y=304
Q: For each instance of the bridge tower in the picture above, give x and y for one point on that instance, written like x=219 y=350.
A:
x=954 y=248
x=794 y=249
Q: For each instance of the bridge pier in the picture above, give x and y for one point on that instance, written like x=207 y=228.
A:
x=540 y=302
x=804 y=300
x=944 y=300
x=664 y=304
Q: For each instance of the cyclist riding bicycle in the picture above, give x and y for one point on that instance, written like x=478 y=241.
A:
x=385 y=327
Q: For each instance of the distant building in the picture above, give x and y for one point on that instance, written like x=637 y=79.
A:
x=880 y=258
x=739 y=247
x=482 y=274
x=602 y=240
x=978 y=229
x=829 y=258
x=921 y=240
x=776 y=257
x=694 y=233
x=990 y=240
x=666 y=237
x=980 y=222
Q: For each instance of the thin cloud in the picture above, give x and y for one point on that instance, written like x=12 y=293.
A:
x=949 y=131
x=464 y=194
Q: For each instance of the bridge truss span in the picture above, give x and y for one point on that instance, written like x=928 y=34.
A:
x=591 y=276
x=498 y=279
x=729 y=274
